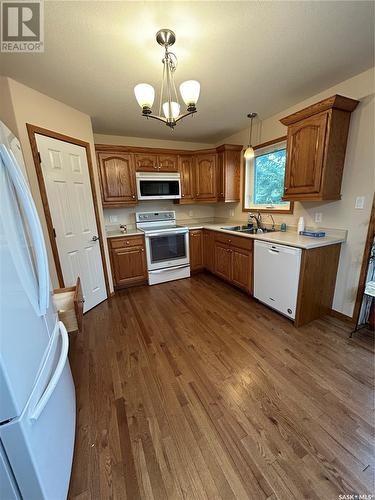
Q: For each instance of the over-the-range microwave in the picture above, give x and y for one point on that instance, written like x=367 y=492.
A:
x=158 y=185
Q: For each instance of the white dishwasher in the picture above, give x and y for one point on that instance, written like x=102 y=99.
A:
x=276 y=276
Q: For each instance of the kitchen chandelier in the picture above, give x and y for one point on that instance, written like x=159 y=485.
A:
x=249 y=153
x=169 y=104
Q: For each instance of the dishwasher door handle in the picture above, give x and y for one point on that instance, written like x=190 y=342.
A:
x=271 y=250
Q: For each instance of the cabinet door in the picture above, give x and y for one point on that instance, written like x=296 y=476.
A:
x=146 y=162
x=208 y=249
x=242 y=268
x=117 y=179
x=205 y=177
x=223 y=260
x=186 y=166
x=129 y=265
x=196 y=249
x=305 y=155
x=168 y=163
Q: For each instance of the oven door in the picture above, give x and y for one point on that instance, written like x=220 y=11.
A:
x=158 y=188
x=167 y=249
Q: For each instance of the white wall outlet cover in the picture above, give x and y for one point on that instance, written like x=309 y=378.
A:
x=359 y=202
x=318 y=217
x=113 y=218
x=231 y=212
x=191 y=213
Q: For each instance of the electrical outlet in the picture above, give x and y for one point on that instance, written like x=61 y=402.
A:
x=113 y=218
x=190 y=213
x=231 y=212
x=318 y=217
x=359 y=202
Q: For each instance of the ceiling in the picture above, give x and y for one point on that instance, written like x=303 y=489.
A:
x=248 y=56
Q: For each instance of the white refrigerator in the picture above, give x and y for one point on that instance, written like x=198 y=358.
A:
x=37 y=397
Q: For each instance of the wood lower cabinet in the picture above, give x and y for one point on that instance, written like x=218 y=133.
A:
x=128 y=260
x=234 y=260
x=316 y=146
x=242 y=268
x=205 y=177
x=117 y=179
x=209 y=249
x=196 y=250
x=186 y=165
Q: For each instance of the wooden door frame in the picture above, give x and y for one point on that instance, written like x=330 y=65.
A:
x=32 y=130
x=365 y=262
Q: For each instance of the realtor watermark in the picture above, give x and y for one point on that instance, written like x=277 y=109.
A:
x=356 y=496
x=22 y=26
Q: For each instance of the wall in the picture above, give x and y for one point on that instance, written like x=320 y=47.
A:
x=21 y=105
x=358 y=180
x=126 y=215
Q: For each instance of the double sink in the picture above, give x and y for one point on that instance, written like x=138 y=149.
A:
x=247 y=230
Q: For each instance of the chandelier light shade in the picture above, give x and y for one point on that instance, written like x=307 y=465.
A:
x=190 y=92
x=145 y=95
x=249 y=152
x=168 y=103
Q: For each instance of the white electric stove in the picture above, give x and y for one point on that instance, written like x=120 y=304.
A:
x=167 y=246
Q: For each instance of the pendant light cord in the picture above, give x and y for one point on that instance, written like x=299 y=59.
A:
x=251 y=129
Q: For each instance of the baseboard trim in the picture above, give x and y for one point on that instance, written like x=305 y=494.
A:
x=343 y=317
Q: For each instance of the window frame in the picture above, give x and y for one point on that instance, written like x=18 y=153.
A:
x=246 y=168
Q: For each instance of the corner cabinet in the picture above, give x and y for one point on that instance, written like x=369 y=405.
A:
x=316 y=145
x=117 y=179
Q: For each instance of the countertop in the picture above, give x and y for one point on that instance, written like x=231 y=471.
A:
x=290 y=238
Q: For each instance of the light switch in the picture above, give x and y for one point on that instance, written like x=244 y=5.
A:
x=113 y=218
x=359 y=202
x=318 y=217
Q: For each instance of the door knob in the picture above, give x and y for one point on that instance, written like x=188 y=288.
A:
x=95 y=238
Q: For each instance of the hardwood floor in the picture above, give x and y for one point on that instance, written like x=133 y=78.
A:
x=192 y=390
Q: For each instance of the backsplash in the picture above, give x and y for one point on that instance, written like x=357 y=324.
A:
x=183 y=212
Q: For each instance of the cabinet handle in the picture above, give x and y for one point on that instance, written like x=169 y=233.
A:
x=285 y=189
x=182 y=195
x=127 y=242
x=133 y=196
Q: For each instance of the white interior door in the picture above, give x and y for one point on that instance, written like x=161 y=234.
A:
x=66 y=177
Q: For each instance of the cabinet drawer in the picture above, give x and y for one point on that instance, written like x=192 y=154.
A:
x=126 y=241
x=69 y=304
x=237 y=241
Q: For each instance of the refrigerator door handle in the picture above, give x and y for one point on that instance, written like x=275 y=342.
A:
x=39 y=407
x=28 y=205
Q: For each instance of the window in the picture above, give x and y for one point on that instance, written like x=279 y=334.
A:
x=264 y=179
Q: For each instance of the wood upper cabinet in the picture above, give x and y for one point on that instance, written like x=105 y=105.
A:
x=168 y=163
x=156 y=162
x=128 y=260
x=196 y=249
x=316 y=145
x=186 y=168
x=117 y=179
x=205 y=177
x=146 y=162
x=228 y=173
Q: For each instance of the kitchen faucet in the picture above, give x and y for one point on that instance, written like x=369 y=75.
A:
x=258 y=220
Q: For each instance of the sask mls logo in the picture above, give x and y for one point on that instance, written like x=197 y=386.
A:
x=22 y=27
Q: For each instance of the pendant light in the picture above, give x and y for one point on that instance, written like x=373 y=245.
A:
x=168 y=104
x=249 y=153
